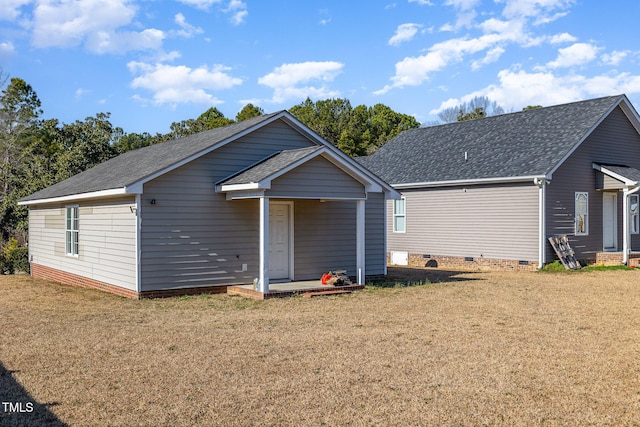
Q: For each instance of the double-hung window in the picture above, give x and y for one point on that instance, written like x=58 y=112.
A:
x=399 y=216
x=582 y=214
x=72 y=227
x=634 y=217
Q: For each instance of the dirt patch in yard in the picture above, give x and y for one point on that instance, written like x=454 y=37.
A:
x=475 y=348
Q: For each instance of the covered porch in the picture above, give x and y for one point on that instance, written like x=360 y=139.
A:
x=611 y=181
x=304 y=196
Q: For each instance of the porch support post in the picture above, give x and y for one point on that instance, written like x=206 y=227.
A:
x=360 y=241
x=542 y=221
x=626 y=234
x=264 y=246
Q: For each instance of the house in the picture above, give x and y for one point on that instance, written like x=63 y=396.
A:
x=264 y=200
x=489 y=193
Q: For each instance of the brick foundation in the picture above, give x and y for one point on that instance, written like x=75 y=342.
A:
x=458 y=263
x=48 y=273
x=615 y=258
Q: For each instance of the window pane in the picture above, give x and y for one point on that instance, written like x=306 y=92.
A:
x=68 y=218
x=581 y=223
x=68 y=242
x=75 y=243
x=581 y=203
x=398 y=207
x=399 y=223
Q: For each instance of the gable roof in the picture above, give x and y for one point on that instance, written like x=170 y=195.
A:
x=270 y=166
x=126 y=173
x=128 y=169
x=517 y=146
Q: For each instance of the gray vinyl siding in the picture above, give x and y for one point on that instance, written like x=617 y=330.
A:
x=317 y=178
x=107 y=240
x=615 y=141
x=375 y=239
x=497 y=222
x=192 y=236
x=325 y=237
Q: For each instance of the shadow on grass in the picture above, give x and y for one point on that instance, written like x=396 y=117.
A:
x=400 y=277
x=18 y=408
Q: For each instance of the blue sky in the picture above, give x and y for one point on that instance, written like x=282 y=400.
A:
x=150 y=63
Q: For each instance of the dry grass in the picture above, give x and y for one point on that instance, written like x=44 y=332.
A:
x=479 y=349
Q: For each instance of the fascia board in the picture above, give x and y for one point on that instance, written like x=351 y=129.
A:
x=82 y=196
x=241 y=187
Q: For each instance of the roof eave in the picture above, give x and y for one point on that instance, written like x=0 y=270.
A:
x=458 y=182
x=82 y=196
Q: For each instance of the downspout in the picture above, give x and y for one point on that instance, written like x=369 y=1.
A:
x=626 y=236
x=542 y=220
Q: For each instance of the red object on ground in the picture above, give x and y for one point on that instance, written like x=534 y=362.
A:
x=325 y=278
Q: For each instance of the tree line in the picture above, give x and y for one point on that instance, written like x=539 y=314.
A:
x=36 y=153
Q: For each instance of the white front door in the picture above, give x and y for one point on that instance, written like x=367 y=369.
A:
x=279 y=240
x=609 y=221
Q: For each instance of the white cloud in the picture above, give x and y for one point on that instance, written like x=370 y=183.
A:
x=543 y=10
x=291 y=81
x=413 y=71
x=462 y=4
x=180 y=84
x=517 y=89
x=96 y=23
x=614 y=58
x=123 y=41
x=574 y=55
x=326 y=16
x=200 y=4
x=80 y=93
x=236 y=8
x=420 y=2
x=10 y=9
x=492 y=56
x=187 y=30
x=6 y=49
x=562 y=38
x=496 y=35
x=238 y=11
x=404 y=33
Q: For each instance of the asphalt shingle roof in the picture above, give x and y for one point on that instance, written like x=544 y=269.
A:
x=270 y=165
x=632 y=174
x=134 y=166
x=527 y=143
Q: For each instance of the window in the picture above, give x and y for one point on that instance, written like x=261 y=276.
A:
x=634 y=218
x=72 y=230
x=399 y=216
x=582 y=214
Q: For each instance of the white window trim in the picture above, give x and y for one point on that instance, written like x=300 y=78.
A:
x=586 y=214
x=74 y=245
x=634 y=220
x=404 y=215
